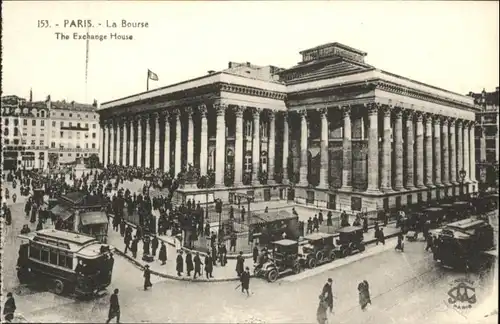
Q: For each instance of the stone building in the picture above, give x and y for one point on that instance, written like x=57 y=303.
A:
x=332 y=131
x=35 y=133
x=487 y=137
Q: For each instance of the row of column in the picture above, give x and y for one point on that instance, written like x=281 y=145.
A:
x=112 y=134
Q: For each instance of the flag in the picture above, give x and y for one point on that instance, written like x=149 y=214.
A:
x=152 y=76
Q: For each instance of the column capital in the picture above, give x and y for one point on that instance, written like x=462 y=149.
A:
x=146 y=118
x=165 y=115
x=175 y=113
x=346 y=110
x=386 y=110
x=238 y=111
x=202 y=110
x=188 y=111
x=444 y=121
x=419 y=116
x=452 y=121
x=302 y=113
x=323 y=111
x=398 y=112
x=372 y=108
x=270 y=114
x=459 y=122
x=437 y=120
x=284 y=114
x=220 y=108
x=255 y=112
x=409 y=113
x=428 y=117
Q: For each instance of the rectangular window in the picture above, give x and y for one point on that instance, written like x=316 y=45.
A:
x=42 y=122
x=77 y=154
x=62 y=134
x=42 y=143
x=62 y=124
x=78 y=125
x=6 y=122
x=25 y=122
x=53 y=144
x=94 y=135
x=94 y=126
x=86 y=145
x=53 y=124
x=23 y=142
x=93 y=145
x=69 y=154
x=70 y=115
x=33 y=142
x=35 y=252
x=70 y=124
x=33 y=122
x=53 y=257
x=45 y=255
x=62 y=114
x=86 y=125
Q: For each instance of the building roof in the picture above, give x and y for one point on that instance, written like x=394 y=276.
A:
x=93 y=218
x=69 y=237
x=74 y=106
x=487 y=98
x=79 y=199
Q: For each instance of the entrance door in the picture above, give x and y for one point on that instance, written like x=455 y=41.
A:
x=291 y=194
x=332 y=201
x=385 y=203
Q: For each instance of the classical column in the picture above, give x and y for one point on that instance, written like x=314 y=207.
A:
x=139 y=142
x=460 y=148
x=190 y=136
x=285 y=148
x=118 y=142
x=323 y=171
x=256 y=146
x=166 y=142
x=398 y=149
x=428 y=151
x=453 y=152
x=238 y=146
x=124 y=143
x=373 y=177
x=147 y=151
x=346 y=150
x=482 y=145
x=112 y=143
x=437 y=150
x=410 y=171
x=156 y=152
x=178 y=142
x=419 y=147
x=466 y=150
x=472 y=154
x=445 y=149
x=303 y=148
x=386 y=181
x=202 y=109
x=271 y=146
x=220 y=141
x=102 y=144
x=131 y=144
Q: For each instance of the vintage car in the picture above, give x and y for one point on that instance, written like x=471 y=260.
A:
x=284 y=257
x=435 y=215
x=350 y=240
x=317 y=248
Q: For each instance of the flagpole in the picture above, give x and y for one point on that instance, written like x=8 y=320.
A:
x=147 y=82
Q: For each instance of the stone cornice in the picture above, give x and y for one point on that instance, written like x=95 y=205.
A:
x=246 y=90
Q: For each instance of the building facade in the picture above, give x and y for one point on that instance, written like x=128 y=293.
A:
x=331 y=131
x=35 y=133
x=487 y=134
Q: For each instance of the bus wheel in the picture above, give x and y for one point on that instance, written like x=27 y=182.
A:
x=58 y=286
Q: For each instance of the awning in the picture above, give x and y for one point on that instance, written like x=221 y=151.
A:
x=62 y=212
x=93 y=218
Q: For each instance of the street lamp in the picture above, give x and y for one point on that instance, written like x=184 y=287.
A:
x=462 y=173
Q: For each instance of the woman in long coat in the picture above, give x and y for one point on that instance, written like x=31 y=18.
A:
x=163 y=253
x=179 y=264
x=189 y=263
x=364 y=294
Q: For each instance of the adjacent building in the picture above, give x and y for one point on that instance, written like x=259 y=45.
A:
x=35 y=133
x=487 y=137
x=332 y=131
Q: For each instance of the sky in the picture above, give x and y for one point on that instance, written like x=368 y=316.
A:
x=451 y=45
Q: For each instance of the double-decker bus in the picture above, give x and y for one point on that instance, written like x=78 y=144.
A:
x=69 y=262
x=462 y=244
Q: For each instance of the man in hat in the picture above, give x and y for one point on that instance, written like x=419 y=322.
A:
x=197 y=265
x=114 y=307
x=328 y=293
x=9 y=308
x=179 y=264
x=240 y=261
x=245 y=281
x=147 y=277
x=163 y=253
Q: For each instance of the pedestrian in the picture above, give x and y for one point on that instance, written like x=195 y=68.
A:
x=245 y=281
x=320 y=218
x=126 y=240
x=9 y=308
x=329 y=218
x=240 y=263
x=147 y=277
x=232 y=242
x=8 y=216
x=223 y=254
x=400 y=245
x=154 y=245
x=146 y=245
x=316 y=223
x=209 y=267
x=429 y=241
x=309 y=226
x=365 y=224
x=328 y=293
x=214 y=254
x=243 y=214
x=197 y=265
x=364 y=294
x=189 y=263
x=39 y=225
x=114 y=307
x=179 y=264
x=133 y=247
x=321 y=316
x=381 y=236
x=255 y=253
x=14 y=198
x=163 y=253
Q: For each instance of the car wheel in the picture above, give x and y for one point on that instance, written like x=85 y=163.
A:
x=319 y=256
x=311 y=263
x=296 y=268
x=333 y=255
x=346 y=252
x=272 y=275
x=58 y=286
x=361 y=247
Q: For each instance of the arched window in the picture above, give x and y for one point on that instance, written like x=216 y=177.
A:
x=248 y=128
x=263 y=129
x=248 y=162
x=42 y=113
x=6 y=131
